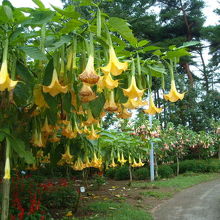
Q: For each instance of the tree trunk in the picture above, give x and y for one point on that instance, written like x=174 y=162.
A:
x=189 y=73
x=130 y=174
x=177 y=166
x=155 y=165
x=5 y=199
x=204 y=70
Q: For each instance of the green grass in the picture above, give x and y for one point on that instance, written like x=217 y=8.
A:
x=157 y=194
x=180 y=182
x=116 y=211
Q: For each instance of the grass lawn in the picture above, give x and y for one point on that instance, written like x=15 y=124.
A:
x=147 y=191
x=180 y=182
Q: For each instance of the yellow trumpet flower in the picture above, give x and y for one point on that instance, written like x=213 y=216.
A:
x=135 y=164
x=114 y=66
x=46 y=127
x=68 y=131
x=110 y=104
x=131 y=103
x=140 y=164
x=152 y=110
x=109 y=83
x=5 y=81
x=89 y=74
x=7 y=169
x=67 y=157
x=93 y=135
x=86 y=90
x=124 y=114
x=113 y=164
x=133 y=91
x=96 y=162
x=39 y=98
x=122 y=160
x=90 y=120
x=55 y=87
x=173 y=95
x=85 y=99
x=37 y=139
x=54 y=138
x=78 y=164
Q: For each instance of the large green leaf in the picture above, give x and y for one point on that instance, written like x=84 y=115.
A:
x=48 y=73
x=8 y=12
x=122 y=27
x=67 y=102
x=40 y=17
x=19 y=147
x=96 y=105
x=39 y=3
x=24 y=73
x=68 y=12
x=56 y=44
x=34 y=52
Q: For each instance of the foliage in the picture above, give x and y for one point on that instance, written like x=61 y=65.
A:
x=122 y=173
x=142 y=173
x=120 y=211
x=156 y=194
x=165 y=171
x=180 y=182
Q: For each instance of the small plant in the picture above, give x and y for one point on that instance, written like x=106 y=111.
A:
x=98 y=181
x=122 y=173
x=157 y=194
x=141 y=173
x=165 y=171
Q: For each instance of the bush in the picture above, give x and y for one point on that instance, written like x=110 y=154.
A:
x=59 y=197
x=165 y=171
x=122 y=173
x=196 y=166
x=110 y=173
x=142 y=173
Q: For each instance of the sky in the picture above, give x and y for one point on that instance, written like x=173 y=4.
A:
x=212 y=18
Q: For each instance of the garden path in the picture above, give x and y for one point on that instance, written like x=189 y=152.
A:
x=200 y=202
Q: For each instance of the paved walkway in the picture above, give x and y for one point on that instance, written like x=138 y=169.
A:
x=200 y=202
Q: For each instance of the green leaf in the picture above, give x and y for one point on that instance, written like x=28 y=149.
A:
x=39 y=4
x=48 y=73
x=189 y=44
x=24 y=73
x=177 y=54
x=122 y=27
x=68 y=12
x=8 y=12
x=64 y=39
x=97 y=105
x=34 y=52
x=150 y=48
x=67 y=102
x=71 y=25
x=40 y=17
x=22 y=94
x=142 y=43
x=19 y=147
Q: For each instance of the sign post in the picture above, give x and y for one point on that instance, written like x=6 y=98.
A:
x=151 y=153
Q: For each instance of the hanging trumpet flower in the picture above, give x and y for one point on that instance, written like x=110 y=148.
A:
x=55 y=87
x=5 y=81
x=152 y=109
x=173 y=95
x=132 y=91
x=89 y=75
x=92 y=135
x=39 y=98
x=114 y=66
x=110 y=104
